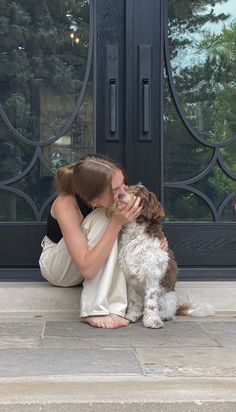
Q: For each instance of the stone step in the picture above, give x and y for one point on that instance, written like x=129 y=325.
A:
x=23 y=297
x=43 y=297
x=117 y=394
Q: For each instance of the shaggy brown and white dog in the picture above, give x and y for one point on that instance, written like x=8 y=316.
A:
x=150 y=271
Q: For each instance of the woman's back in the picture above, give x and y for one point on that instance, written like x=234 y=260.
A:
x=53 y=230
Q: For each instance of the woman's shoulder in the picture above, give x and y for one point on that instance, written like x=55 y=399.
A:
x=66 y=210
x=64 y=202
x=65 y=199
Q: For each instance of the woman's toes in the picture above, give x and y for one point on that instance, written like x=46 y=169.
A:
x=111 y=321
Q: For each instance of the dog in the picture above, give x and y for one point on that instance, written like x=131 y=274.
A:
x=151 y=272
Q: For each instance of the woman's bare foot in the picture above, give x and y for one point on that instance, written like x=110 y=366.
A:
x=105 y=322
x=111 y=321
x=120 y=322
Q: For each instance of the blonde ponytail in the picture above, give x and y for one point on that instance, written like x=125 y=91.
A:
x=64 y=180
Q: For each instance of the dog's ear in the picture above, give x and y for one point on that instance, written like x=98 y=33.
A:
x=152 y=208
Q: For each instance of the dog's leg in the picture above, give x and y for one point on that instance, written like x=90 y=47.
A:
x=135 y=305
x=151 y=317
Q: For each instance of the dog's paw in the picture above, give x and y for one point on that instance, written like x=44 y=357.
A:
x=133 y=316
x=166 y=317
x=153 y=323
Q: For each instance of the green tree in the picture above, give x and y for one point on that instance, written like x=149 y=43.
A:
x=207 y=96
x=43 y=55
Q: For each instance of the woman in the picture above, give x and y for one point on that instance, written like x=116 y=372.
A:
x=77 y=250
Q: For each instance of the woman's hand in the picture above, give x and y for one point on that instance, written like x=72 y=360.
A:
x=127 y=213
x=164 y=244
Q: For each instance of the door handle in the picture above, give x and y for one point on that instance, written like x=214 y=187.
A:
x=146 y=102
x=145 y=91
x=112 y=92
x=112 y=104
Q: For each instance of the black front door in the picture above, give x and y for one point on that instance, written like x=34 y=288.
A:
x=129 y=73
x=143 y=81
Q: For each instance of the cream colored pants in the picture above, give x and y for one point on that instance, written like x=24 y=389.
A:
x=104 y=294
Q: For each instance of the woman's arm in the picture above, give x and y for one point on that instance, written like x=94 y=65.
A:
x=69 y=217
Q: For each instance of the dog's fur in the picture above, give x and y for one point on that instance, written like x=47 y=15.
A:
x=150 y=271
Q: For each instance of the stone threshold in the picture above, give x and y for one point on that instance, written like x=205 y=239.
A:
x=33 y=297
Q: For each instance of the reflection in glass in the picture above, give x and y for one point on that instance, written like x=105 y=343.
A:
x=14 y=208
x=216 y=185
x=229 y=212
x=37 y=184
x=43 y=61
x=14 y=155
x=229 y=156
x=184 y=156
x=44 y=50
x=202 y=37
x=183 y=205
x=78 y=139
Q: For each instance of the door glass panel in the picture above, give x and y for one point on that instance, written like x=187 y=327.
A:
x=46 y=94
x=14 y=207
x=77 y=141
x=184 y=156
x=216 y=185
x=229 y=212
x=44 y=51
x=229 y=156
x=200 y=110
x=37 y=184
x=14 y=154
x=182 y=205
x=202 y=40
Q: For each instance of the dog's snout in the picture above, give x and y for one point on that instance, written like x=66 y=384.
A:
x=125 y=197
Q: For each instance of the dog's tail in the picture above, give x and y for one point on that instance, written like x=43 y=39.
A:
x=192 y=308
x=182 y=310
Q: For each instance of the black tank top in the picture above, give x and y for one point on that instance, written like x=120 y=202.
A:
x=53 y=230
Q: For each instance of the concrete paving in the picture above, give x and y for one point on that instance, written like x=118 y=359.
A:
x=53 y=362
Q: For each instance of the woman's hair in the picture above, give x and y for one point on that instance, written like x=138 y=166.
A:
x=89 y=177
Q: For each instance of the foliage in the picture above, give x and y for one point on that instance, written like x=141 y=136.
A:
x=40 y=64
x=205 y=85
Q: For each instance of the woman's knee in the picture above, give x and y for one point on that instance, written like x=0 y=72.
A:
x=61 y=279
